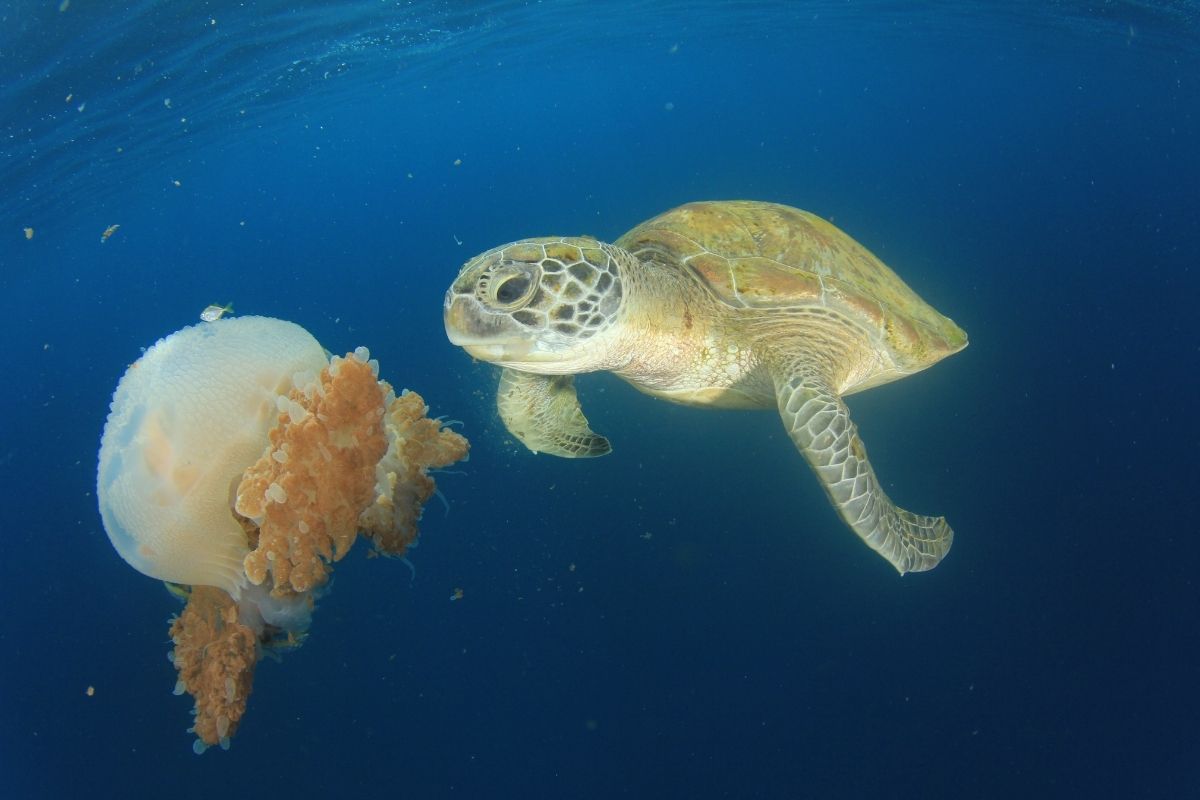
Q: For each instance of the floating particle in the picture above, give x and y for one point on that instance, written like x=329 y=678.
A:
x=29 y=233
x=91 y=691
x=68 y=97
x=458 y=162
x=167 y=102
x=108 y=232
x=177 y=183
x=457 y=594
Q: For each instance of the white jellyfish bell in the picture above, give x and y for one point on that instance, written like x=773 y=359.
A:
x=187 y=419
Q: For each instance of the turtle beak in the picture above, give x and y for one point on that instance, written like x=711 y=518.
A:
x=485 y=335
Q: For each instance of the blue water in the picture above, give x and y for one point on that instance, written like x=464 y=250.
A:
x=686 y=617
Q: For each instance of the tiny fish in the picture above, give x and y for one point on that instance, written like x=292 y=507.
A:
x=214 y=312
x=109 y=231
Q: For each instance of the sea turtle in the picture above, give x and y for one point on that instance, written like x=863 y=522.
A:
x=730 y=304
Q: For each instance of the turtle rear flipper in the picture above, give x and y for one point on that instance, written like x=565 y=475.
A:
x=543 y=412
x=820 y=426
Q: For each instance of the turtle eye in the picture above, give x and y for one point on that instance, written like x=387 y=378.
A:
x=510 y=288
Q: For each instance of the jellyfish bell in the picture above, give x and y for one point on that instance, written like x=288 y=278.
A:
x=187 y=418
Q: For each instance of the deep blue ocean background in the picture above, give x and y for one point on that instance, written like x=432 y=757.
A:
x=686 y=617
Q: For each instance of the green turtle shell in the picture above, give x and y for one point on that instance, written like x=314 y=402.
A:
x=754 y=255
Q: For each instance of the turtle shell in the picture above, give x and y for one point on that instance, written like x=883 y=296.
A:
x=754 y=255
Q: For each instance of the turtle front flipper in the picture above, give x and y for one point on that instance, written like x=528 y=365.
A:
x=820 y=426
x=543 y=412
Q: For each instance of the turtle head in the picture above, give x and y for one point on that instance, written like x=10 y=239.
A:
x=537 y=303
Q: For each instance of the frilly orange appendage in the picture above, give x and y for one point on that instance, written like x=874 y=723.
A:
x=416 y=444
x=307 y=491
x=338 y=463
x=215 y=655
x=346 y=454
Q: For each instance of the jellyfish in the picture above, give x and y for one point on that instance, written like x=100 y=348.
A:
x=240 y=463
